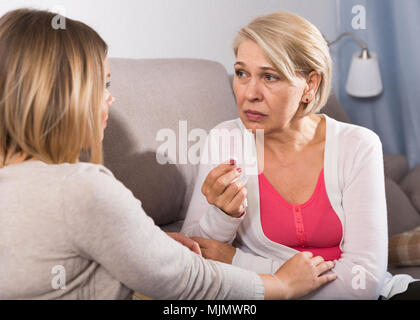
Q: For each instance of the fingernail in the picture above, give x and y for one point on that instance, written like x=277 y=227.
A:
x=232 y=162
x=239 y=170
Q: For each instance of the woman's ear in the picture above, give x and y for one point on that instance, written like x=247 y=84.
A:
x=313 y=82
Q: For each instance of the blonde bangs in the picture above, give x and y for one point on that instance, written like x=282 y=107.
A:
x=271 y=50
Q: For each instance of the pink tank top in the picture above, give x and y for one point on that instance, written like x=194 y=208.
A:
x=312 y=226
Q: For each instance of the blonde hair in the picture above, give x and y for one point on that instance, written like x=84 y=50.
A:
x=295 y=47
x=51 y=88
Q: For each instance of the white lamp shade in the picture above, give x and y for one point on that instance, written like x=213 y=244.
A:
x=364 y=78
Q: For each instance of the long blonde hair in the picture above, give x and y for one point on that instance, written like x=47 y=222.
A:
x=295 y=47
x=51 y=88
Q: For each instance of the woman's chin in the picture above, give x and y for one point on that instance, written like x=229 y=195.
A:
x=252 y=125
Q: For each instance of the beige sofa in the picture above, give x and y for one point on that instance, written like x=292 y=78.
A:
x=154 y=95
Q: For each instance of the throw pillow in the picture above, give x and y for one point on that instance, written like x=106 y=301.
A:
x=404 y=248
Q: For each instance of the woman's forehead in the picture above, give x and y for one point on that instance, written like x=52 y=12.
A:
x=250 y=53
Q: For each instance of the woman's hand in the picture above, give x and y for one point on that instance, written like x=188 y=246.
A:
x=298 y=276
x=216 y=250
x=222 y=193
x=184 y=240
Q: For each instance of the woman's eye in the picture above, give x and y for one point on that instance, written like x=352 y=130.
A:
x=108 y=84
x=239 y=73
x=270 y=77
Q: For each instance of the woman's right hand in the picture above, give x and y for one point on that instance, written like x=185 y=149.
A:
x=221 y=192
x=298 y=276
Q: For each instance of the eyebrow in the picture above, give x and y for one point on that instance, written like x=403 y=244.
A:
x=240 y=63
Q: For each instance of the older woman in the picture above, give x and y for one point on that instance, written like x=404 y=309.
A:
x=70 y=230
x=318 y=184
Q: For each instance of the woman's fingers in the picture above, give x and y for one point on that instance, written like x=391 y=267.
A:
x=224 y=190
x=224 y=181
x=324 y=267
x=196 y=248
x=186 y=241
x=307 y=254
x=324 y=279
x=202 y=242
x=232 y=190
x=235 y=205
x=317 y=260
x=320 y=265
x=217 y=172
x=216 y=250
x=205 y=246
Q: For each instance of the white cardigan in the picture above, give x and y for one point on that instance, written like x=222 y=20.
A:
x=354 y=179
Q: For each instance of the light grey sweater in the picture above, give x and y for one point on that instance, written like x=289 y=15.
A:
x=73 y=231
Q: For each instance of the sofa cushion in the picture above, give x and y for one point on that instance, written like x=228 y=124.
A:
x=173 y=227
x=404 y=248
x=402 y=216
x=153 y=96
x=411 y=185
x=396 y=166
x=335 y=110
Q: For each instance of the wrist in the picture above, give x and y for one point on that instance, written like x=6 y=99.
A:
x=236 y=216
x=275 y=289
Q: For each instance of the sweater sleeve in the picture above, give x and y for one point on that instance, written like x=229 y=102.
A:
x=107 y=224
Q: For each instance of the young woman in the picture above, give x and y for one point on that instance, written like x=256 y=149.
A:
x=70 y=230
x=319 y=183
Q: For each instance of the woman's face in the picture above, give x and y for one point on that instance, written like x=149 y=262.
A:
x=265 y=99
x=108 y=98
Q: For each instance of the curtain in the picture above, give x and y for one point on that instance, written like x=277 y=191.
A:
x=393 y=32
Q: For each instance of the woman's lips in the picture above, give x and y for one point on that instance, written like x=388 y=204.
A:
x=253 y=115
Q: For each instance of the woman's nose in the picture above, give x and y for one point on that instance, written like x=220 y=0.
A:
x=109 y=98
x=253 y=92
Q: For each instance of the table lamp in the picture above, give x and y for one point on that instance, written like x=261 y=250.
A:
x=364 y=79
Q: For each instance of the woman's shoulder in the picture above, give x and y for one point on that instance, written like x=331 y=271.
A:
x=87 y=170
x=57 y=172
x=349 y=134
x=88 y=178
x=81 y=182
x=95 y=187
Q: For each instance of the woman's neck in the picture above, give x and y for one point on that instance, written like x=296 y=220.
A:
x=19 y=158
x=298 y=135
